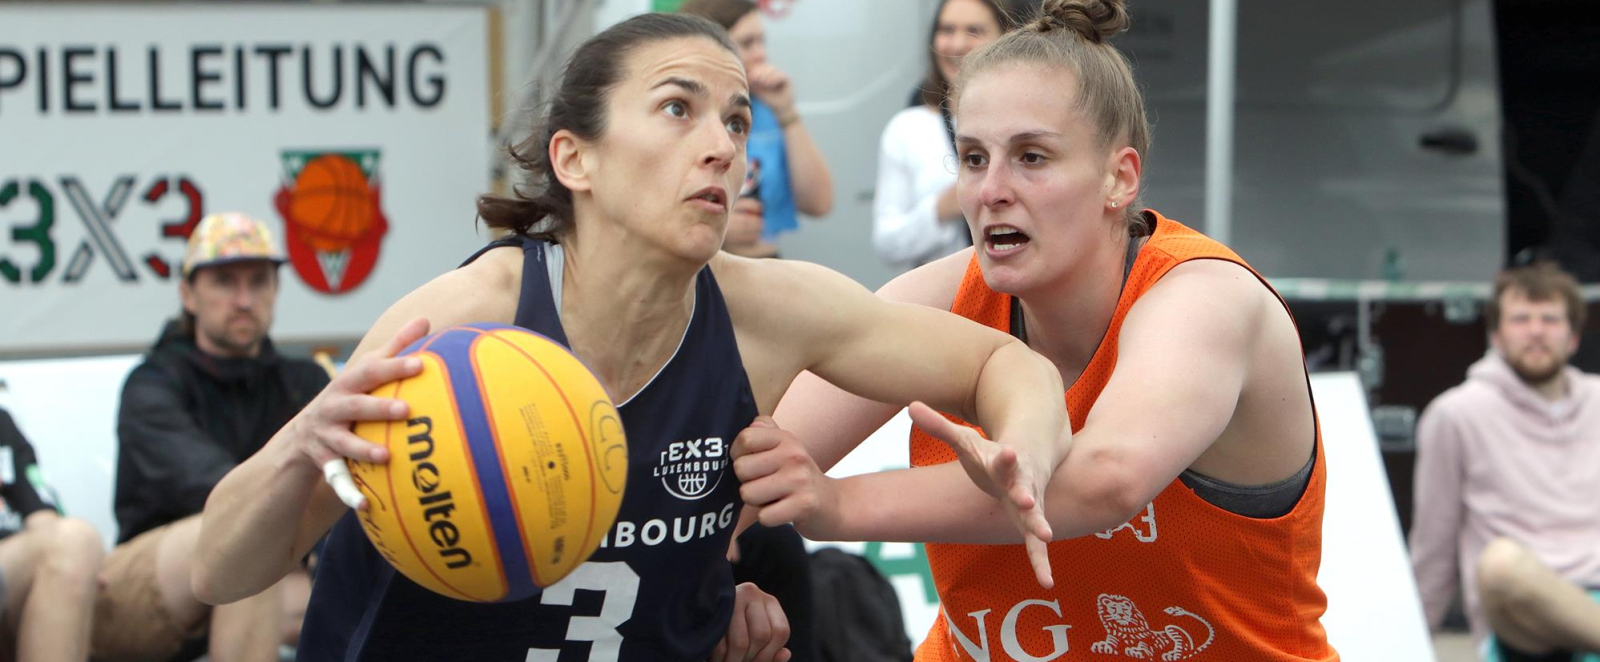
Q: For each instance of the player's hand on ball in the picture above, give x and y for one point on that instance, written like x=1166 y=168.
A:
x=1018 y=485
x=758 y=631
x=781 y=480
x=324 y=436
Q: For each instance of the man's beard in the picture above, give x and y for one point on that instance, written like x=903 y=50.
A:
x=235 y=345
x=1537 y=374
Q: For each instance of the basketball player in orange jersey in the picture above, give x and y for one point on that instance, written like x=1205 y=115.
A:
x=1188 y=514
x=615 y=251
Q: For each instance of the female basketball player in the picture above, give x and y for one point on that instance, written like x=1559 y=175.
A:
x=1188 y=514
x=616 y=254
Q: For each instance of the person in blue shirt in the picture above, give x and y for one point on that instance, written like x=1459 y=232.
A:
x=787 y=172
x=614 y=250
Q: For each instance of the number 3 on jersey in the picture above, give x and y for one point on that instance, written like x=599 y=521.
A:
x=621 y=587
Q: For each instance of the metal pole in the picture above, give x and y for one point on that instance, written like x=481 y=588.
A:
x=1220 y=74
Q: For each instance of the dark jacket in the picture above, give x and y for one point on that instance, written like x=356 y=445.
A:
x=187 y=418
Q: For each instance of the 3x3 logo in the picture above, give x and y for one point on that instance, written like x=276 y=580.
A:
x=99 y=219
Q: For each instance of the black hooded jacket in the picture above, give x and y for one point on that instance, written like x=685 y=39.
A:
x=187 y=418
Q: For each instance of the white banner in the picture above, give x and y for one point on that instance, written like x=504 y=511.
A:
x=359 y=133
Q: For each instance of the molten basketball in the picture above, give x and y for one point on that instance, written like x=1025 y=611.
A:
x=506 y=475
x=331 y=204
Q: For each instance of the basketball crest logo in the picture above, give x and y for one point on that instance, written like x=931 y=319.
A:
x=332 y=215
x=693 y=468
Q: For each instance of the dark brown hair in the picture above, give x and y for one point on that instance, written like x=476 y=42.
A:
x=579 y=106
x=935 y=89
x=1540 y=281
x=1075 y=34
x=722 y=12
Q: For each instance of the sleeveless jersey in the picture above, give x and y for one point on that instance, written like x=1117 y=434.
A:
x=659 y=587
x=1204 y=584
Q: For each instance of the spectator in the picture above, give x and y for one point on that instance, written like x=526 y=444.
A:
x=1508 y=480
x=915 y=216
x=47 y=563
x=208 y=395
x=787 y=171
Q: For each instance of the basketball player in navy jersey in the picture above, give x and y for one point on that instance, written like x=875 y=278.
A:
x=614 y=252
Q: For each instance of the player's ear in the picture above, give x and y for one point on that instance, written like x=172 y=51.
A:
x=571 y=160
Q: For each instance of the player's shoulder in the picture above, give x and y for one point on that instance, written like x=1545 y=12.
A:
x=490 y=280
x=497 y=268
x=487 y=289
x=1219 y=286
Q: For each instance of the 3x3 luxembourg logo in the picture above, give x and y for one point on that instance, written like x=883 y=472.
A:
x=330 y=202
x=693 y=468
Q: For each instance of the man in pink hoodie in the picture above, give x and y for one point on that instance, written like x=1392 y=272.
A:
x=1508 y=481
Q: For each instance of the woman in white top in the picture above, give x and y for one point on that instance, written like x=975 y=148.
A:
x=915 y=216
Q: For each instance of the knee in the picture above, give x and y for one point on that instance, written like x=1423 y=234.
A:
x=1502 y=572
x=74 y=547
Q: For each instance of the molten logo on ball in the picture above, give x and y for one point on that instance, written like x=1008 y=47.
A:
x=425 y=477
x=333 y=217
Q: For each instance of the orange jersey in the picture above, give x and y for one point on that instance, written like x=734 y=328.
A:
x=1183 y=580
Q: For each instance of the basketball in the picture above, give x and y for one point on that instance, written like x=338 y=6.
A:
x=331 y=203
x=506 y=475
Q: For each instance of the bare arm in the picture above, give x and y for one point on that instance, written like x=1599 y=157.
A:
x=1121 y=458
x=831 y=421
x=267 y=513
x=806 y=317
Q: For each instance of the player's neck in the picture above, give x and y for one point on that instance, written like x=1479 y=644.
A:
x=624 y=313
x=1066 y=319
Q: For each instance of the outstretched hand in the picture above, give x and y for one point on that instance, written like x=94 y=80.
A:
x=998 y=470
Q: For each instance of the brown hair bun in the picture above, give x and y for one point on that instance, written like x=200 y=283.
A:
x=1094 y=20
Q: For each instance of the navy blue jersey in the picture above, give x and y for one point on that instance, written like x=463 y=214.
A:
x=659 y=587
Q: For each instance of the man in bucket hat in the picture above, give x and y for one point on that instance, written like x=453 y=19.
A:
x=207 y=396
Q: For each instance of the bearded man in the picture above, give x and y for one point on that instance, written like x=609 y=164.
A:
x=1508 y=481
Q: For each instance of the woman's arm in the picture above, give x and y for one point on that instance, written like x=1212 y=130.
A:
x=815 y=319
x=1170 y=398
x=830 y=421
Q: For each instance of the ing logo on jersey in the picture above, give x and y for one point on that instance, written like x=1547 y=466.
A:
x=693 y=468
